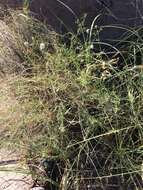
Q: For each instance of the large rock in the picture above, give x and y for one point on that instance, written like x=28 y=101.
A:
x=11 y=3
x=13 y=175
x=61 y=14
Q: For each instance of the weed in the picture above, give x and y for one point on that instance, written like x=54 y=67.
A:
x=80 y=110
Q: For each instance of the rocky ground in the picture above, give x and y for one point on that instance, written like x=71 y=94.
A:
x=14 y=175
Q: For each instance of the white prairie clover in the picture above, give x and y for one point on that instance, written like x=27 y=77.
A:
x=42 y=46
x=26 y=44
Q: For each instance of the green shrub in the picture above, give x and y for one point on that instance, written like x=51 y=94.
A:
x=80 y=107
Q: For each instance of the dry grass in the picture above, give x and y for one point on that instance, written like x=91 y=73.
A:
x=10 y=109
x=80 y=109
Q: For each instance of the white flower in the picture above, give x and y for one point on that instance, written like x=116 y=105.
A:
x=42 y=46
x=26 y=44
x=62 y=129
x=87 y=31
x=105 y=74
x=91 y=46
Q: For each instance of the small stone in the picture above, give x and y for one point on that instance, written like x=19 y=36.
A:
x=38 y=188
